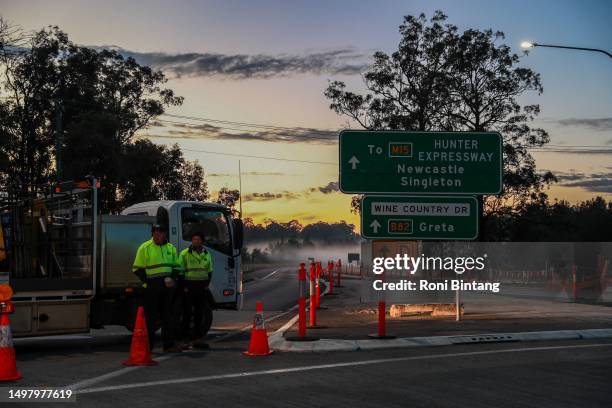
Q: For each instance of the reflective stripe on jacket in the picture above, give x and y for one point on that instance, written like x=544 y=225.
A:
x=196 y=266
x=156 y=260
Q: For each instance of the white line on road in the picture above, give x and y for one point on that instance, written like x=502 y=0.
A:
x=327 y=366
x=91 y=381
x=268 y=275
x=95 y=380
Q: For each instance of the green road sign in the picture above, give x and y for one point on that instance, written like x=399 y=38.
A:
x=419 y=217
x=420 y=162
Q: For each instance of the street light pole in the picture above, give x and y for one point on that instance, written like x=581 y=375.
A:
x=533 y=45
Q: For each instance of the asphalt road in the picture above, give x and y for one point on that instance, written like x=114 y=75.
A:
x=276 y=287
x=537 y=374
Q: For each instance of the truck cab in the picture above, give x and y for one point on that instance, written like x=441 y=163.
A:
x=222 y=238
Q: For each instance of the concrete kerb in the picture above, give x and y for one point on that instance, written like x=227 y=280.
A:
x=278 y=342
x=325 y=345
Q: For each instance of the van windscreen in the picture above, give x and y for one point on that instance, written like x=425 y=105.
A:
x=212 y=224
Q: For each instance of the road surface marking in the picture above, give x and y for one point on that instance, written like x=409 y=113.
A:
x=95 y=380
x=268 y=275
x=328 y=366
x=112 y=374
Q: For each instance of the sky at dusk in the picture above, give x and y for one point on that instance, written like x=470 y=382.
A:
x=268 y=63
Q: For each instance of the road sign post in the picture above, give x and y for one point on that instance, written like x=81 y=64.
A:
x=389 y=162
x=419 y=217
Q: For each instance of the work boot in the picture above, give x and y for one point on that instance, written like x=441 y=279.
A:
x=173 y=349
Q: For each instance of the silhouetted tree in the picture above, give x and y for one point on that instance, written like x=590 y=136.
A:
x=101 y=100
x=228 y=197
x=441 y=79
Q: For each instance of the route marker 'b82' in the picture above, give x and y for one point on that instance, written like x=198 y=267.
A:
x=419 y=217
x=420 y=162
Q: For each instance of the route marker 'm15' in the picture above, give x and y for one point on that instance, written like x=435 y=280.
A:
x=419 y=217
x=420 y=162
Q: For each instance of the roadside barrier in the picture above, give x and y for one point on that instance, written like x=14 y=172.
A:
x=313 y=300
x=301 y=335
x=8 y=363
x=258 y=346
x=330 y=278
x=382 y=317
x=318 y=285
x=140 y=350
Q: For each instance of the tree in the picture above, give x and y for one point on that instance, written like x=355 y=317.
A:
x=484 y=86
x=228 y=197
x=440 y=79
x=407 y=89
x=99 y=100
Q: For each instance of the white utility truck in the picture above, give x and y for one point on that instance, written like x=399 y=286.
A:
x=71 y=268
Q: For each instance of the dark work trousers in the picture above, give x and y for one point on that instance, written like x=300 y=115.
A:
x=160 y=303
x=194 y=302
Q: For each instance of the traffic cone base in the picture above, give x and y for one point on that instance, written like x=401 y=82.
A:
x=140 y=352
x=297 y=337
x=259 y=343
x=8 y=371
x=8 y=363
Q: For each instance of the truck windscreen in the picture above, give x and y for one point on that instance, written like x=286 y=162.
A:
x=213 y=224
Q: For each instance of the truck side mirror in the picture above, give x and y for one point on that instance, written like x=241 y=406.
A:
x=238 y=233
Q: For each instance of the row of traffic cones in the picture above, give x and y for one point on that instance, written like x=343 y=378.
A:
x=140 y=352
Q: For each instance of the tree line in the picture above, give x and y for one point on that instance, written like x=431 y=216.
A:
x=69 y=111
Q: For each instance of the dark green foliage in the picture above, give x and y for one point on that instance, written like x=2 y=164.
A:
x=101 y=100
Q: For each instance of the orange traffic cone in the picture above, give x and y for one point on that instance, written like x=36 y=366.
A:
x=8 y=365
x=259 y=337
x=140 y=353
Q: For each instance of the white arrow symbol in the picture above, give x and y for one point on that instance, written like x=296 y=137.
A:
x=375 y=225
x=354 y=162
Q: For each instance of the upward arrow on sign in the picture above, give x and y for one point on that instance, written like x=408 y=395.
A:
x=375 y=226
x=354 y=162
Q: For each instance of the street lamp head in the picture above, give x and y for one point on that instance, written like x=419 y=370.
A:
x=527 y=44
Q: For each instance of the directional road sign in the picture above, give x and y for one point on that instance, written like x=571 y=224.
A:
x=420 y=162
x=419 y=217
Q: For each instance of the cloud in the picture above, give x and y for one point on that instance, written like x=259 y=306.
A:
x=563 y=176
x=599 y=124
x=263 y=173
x=602 y=185
x=345 y=61
x=176 y=130
x=261 y=196
x=331 y=187
x=594 y=182
x=268 y=196
x=576 y=150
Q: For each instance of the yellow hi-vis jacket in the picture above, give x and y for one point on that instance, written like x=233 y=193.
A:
x=157 y=260
x=196 y=266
